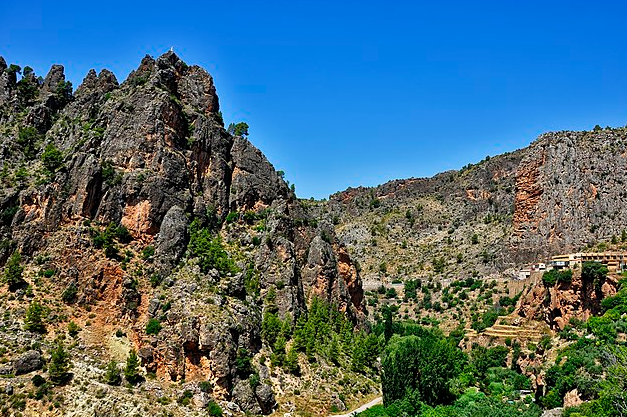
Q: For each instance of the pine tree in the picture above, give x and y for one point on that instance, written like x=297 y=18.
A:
x=291 y=361
x=13 y=272
x=278 y=351
x=131 y=372
x=58 y=369
x=112 y=375
x=33 y=321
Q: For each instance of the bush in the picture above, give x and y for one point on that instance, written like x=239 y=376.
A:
x=205 y=386
x=52 y=159
x=148 y=252
x=13 y=272
x=131 y=372
x=34 y=318
x=73 y=329
x=112 y=374
x=38 y=380
x=232 y=217
x=153 y=326
x=209 y=250
x=214 y=409
x=69 y=294
x=59 y=366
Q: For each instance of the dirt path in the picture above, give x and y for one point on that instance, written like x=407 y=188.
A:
x=364 y=407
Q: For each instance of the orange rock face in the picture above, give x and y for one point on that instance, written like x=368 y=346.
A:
x=136 y=219
x=528 y=193
x=558 y=304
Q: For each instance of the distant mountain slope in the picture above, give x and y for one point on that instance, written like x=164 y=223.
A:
x=561 y=193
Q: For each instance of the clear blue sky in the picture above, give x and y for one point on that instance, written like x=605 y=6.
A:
x=359 y=93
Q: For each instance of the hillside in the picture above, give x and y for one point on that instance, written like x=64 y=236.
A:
x=154 y=262
x=560 y=194
x=132 y=222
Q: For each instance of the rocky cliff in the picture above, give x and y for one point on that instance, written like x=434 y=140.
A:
x=560 y=194
x=103 y=189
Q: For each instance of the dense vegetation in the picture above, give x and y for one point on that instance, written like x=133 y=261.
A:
x=426 y=374
x=596 y=363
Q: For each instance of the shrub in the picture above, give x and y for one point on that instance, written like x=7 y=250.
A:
x=38 y=380
x=34 y=318
x=214 y=409
x=131 y=371
x=69 y=294
x=112 y=374
x=209 y=250
x=59 y=366
x=232 y=217
x=73 y=329
x=148 y=252
x=52 y=159
x=205 y=386
x=153 y=326
x=13 y=271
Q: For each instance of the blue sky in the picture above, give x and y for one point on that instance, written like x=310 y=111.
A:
x=341 y=94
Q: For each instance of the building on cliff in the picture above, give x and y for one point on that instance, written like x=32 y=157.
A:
x=615 y=261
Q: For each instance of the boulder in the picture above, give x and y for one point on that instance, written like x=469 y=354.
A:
x=27 y=362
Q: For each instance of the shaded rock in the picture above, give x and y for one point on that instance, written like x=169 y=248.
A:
x=244 y=396
x=39 y=117
x=266 y=399
x=254 y=179
x=337 y=404
x=171 y=240
x=27 y=362
x=53 y=79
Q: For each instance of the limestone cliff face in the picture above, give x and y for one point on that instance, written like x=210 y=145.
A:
x=557 y=195
x=151 y=154
x=566 y=300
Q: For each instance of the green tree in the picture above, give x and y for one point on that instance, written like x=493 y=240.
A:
x=291 y=361
x=388 y=325
x=112 y=374
x=595 y=273
x=33 y=321
x=73 y=329
x=153 y=326
x=64 y=92
x=209 y=250
x=52 y=159
x=271 y=326
x=278 y=351
x=27 y=87
x=424 y=364
x=27 y=138
x=59 y=366
x=238 y=129
x=131 y=372
x=13 y=272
